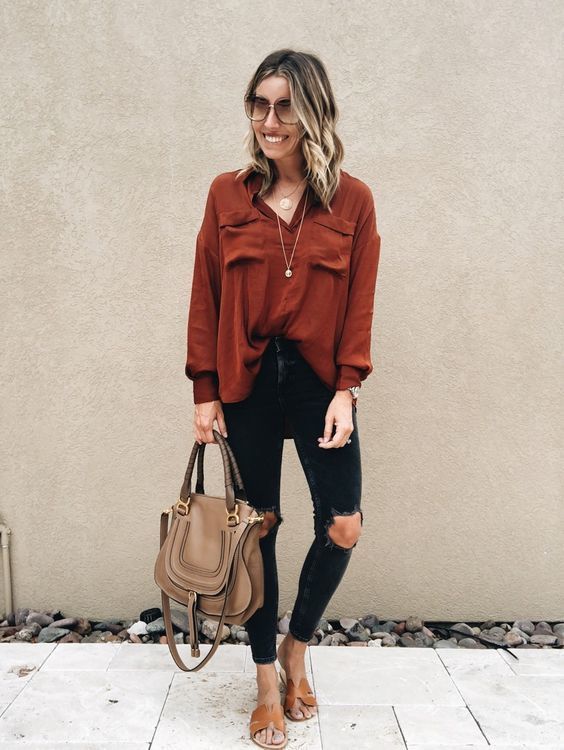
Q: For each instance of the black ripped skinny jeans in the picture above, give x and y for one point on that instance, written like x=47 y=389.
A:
x=287 y=386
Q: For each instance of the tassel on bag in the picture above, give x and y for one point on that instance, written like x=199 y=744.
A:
x=210 y=558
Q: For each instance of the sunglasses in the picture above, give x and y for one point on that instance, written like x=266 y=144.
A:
x=257 y=109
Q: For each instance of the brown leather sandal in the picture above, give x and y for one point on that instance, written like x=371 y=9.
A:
x=261 y=718
x=302 y=691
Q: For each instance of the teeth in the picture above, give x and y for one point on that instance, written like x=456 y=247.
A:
x=275 y=139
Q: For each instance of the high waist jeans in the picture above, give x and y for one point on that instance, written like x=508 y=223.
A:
x=287 y=386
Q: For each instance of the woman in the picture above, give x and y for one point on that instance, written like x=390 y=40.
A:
x=279 y=334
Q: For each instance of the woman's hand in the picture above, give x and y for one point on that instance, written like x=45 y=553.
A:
x=339 y=413
x=204 y=416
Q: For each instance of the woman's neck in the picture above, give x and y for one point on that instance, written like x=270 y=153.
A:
x=290 y=173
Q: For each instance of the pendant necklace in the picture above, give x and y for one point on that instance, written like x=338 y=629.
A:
x=288 y=271
x=285 y=202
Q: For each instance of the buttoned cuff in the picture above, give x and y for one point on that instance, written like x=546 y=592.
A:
x=347 y=376
x=206 y=388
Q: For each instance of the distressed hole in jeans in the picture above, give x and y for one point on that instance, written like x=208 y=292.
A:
x=272 y=518
x=344 y=528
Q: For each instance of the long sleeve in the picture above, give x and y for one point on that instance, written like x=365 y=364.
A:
x=203 y=316
x=353 y=357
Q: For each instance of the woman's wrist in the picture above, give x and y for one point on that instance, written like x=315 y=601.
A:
x=346 y=393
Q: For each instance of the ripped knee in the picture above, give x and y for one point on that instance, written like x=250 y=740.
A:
x=272 y=518
x=343 y=530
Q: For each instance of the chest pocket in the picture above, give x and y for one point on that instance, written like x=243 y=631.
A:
x=331 y=243
x=240 y=236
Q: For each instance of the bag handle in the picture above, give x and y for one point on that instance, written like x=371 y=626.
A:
x=238 y=479
x=227 y=457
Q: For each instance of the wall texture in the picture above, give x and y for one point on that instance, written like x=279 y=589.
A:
x=115 y=117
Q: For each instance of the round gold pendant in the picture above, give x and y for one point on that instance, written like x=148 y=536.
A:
x=288 y=272
x=286 y=203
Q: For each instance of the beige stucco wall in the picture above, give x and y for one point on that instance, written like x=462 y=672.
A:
x=115 y=117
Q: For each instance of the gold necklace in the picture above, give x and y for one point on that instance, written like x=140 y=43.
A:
x=285 y=201
x=288 y=271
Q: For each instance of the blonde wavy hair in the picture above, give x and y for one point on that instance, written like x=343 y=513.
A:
x=312 y=98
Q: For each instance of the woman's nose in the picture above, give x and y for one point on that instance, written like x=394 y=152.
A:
x=271 y=118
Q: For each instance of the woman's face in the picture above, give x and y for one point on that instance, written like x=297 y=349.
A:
x=274 y=89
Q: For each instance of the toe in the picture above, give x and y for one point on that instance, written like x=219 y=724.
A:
x=270 y=735
x=297 y=712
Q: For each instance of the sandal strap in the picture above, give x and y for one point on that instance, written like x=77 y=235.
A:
x=302 y=691
x=263 y=715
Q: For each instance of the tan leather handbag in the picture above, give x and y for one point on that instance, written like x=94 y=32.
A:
x=210 y=558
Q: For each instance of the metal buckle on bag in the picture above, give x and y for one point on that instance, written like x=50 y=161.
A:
x=233 y=515
x=256 y=519
x=185 y=504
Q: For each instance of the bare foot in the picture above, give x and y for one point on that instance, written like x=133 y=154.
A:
x=268 y=692
x=291 y=655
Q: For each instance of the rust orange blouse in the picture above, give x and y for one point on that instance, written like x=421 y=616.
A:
x=241 y=297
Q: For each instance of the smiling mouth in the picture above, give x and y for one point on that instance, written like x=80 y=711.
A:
x=274 y=138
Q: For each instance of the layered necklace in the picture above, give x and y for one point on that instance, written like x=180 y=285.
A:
x=287 y=203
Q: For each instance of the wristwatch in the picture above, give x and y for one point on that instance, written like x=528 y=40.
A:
x=355 y=390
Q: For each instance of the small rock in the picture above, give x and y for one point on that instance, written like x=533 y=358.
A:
x=339 y=638
x=470 y=643
x=348 y=622
x=370 y=621
x=513 y=638
x=8 y=632
x=407 y=640
x=29 y=632
x=543 y=628
x=156 y=627
x=446 y=643
x=114 y=626
x=138 y=628
x=39 y=618
x=422 y=640
x=543 y=639
x=386 y=627
x=525 y=625
x=82 y=626
x=413 y=624
x=19 y=616
x=462 y=630
x=48 y=635
x=179 y=619
x=283 y=623
x=67 y=622
x=496 y=632
x=209 y=629
x=388 y=640
x=495 y=641
x=236 y=629
x=357 y=632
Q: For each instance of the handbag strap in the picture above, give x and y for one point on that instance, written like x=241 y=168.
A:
x=193 y=623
